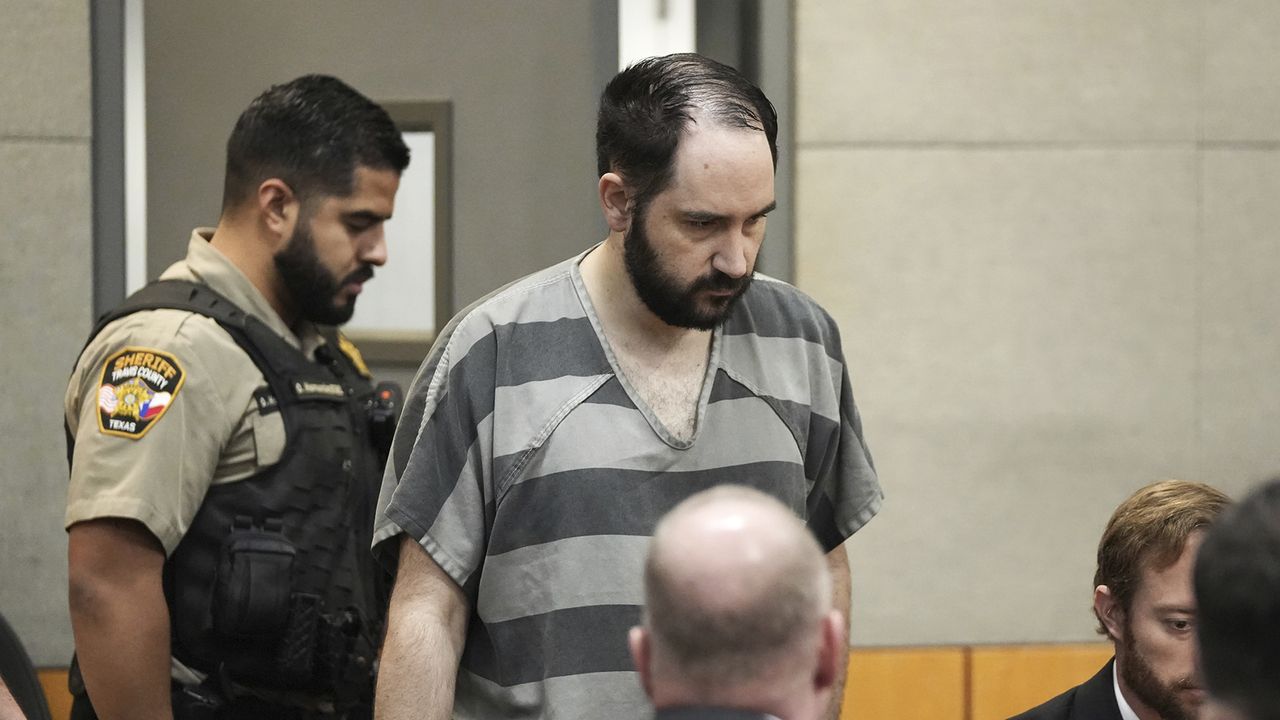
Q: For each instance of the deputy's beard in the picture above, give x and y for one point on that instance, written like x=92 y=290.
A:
x=313 y=290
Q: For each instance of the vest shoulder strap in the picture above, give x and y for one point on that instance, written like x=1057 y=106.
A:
x=177 y=295
x=271 y=353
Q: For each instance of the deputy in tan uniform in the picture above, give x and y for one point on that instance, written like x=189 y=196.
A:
x=223 y=463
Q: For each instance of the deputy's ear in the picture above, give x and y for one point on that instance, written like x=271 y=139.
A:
x=638 y=643
x=1109 y=612
x=277 y=207
x=615 y=201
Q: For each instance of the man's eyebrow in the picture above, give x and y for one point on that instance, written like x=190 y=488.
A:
x=705 y=216
x=1176 y=608
x=367 y=216
x=701 y=216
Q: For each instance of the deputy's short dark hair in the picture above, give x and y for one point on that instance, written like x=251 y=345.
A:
x=311 y=132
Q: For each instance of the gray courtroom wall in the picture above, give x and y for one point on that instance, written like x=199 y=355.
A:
x=524 y=78
x=1048 y=230
x=44 y=300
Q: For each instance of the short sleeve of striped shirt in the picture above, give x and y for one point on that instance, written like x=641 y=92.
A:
x=787 y=350
x=458 y=432
x=438 y=485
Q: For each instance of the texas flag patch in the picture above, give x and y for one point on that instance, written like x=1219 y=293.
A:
x=138 y=386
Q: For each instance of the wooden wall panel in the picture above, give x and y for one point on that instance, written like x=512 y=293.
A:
x=54 y=682
x=1006 y=680
x=903 y=683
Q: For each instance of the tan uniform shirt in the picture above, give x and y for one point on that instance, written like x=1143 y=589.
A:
x=150 y=453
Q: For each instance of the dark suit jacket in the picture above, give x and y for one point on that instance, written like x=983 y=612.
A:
x=1095 y=699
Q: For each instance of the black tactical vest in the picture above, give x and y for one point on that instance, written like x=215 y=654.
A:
x=274 y=585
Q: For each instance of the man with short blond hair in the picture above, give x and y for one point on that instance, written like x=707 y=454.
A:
x=1144 y=603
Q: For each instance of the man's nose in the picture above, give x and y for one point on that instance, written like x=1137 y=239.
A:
x=374 y=250
x=733 y=258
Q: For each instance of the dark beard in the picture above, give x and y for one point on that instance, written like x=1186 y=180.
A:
x=662 y=294
x=1136 y=672
x=312 y=288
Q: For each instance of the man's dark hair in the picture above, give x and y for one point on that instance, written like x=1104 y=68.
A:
x=1237 y=584
x=312 y=133
x=646 y=107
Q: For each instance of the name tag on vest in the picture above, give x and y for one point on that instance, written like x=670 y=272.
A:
x=319 y=391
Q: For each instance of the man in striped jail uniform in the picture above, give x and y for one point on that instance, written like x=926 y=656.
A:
x=556 y=420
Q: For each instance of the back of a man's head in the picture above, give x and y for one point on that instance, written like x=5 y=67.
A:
x=1237 y=587
x=737 y=608
x=311 y=132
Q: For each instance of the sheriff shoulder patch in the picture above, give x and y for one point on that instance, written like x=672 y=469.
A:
x=138 y=386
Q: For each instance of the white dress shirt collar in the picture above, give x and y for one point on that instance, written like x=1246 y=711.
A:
x=1126 y=712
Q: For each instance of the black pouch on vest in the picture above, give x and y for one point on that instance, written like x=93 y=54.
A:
x=251 y=592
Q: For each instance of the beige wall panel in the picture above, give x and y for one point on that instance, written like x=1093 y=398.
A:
x=44 y=53
x=996 y=70
x=1020 y=326
x=1242 y=61
x=44 y=310
x=1240 y=395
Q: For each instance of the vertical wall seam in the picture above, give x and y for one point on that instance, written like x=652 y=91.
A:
x=1197 y=308
x=966 y=659
x=107 y=193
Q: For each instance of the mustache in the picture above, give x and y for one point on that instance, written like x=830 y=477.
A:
x=719 y=281
x=361 y=275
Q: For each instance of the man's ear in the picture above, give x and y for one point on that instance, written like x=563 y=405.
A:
x=615 y=202
x=278 y=207
x=638 y=643
x=830 y=651
x=1109 y=612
